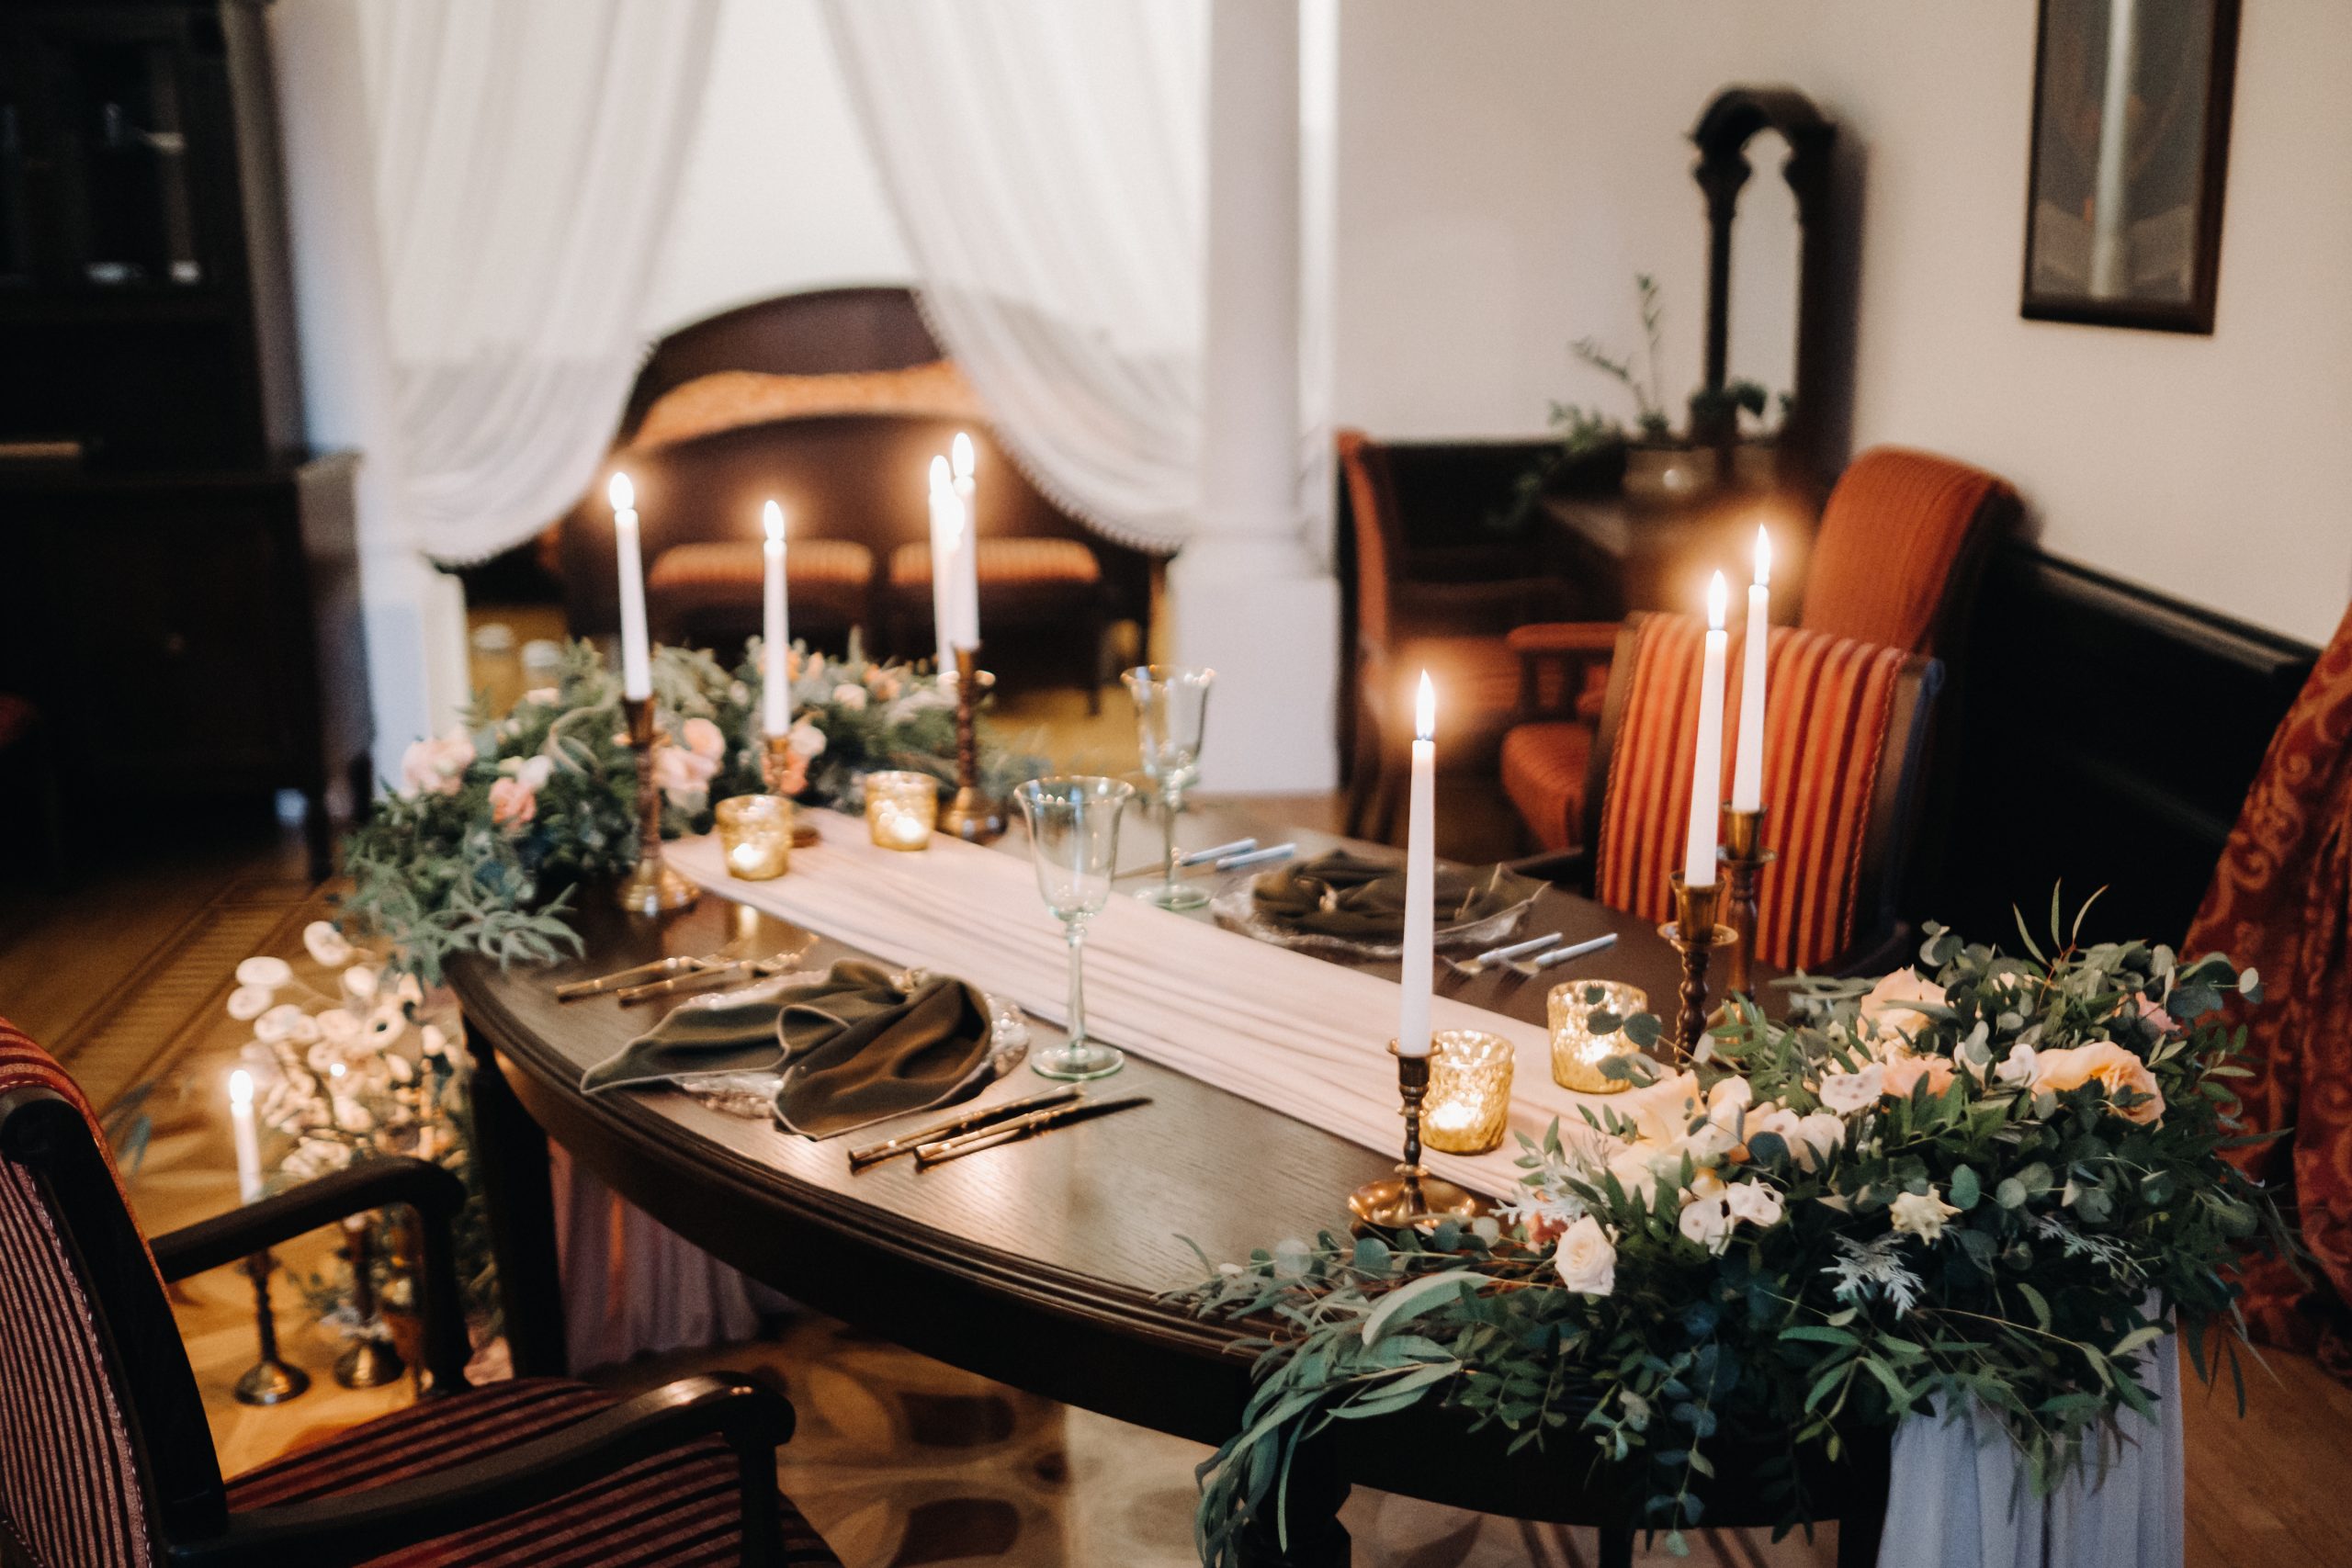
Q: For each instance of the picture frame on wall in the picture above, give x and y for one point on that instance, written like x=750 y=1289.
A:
x=2130 y=149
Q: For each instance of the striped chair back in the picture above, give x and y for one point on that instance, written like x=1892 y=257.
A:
x=1844 y=726
x=1899 y=547
x=92 y=1373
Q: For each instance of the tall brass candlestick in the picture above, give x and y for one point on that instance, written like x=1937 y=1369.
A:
x=269 y=1380
x=1412 y=1197
x=1743 y=858
x=651 y=887
x=1694 y=934
x=971 y=816
x=370 y=1360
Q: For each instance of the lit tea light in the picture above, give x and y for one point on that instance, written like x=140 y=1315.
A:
x=1579 y=1055
x=755 y=836
x=901 y=809
x=1468 y=1107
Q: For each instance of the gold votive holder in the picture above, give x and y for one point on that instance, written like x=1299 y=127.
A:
x=1469 y=1101
x=1578 y=1054
x=755 y=836
x=901 y=809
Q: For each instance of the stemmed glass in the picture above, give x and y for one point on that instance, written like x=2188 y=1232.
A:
x=1171 y=703
x=1074 y=841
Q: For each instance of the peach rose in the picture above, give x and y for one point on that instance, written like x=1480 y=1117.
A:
x=512 y=801
x=704 y=739
x=2111 y=1067
x=1890 y=1005
x=1905 y=1071
x=437 y=766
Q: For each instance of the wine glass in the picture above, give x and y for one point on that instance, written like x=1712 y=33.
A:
x=1074 y=841
x=1171 y=704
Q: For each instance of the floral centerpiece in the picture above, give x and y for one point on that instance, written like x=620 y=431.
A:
x=478 y=846
x=1998 y=1184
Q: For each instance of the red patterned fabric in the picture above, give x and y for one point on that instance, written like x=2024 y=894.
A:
x=1829 y=709
x=677 y=1510
x=2281 y=902
x=68 y=1471
x=1896 y=525
x=1012 y=562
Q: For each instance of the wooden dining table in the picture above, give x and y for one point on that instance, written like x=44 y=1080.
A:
x=1046 y=1264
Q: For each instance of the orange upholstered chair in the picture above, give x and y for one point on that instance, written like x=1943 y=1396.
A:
x=1845 y=733
x=1405 y=625
x=1895 y=562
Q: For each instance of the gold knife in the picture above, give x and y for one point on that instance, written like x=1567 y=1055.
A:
x=1021 y=1127
x=572 y=990
x=985 y=1116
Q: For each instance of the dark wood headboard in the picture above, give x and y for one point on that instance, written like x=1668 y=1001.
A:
x=820 y=332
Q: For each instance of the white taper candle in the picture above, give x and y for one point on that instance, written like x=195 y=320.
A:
x=241 y=1122
x=968 y=547
x=1748 y=765
x=946 y=526
x=1707 y=762
x=637 y=659
x=1421 y=880
x=775 y=630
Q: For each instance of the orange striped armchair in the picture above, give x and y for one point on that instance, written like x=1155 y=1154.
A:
x=1846 y=726
x=1895 y=562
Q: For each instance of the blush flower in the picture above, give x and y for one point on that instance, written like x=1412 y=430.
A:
x=1891 y=1007
x=1905 y=1071
x=2116 y=1070
x=1847 y=1092
x=434 y=766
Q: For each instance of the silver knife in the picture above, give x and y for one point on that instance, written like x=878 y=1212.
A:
x=1027 y=1126
x=907 y=1143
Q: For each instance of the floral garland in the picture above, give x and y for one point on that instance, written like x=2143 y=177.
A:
x=478 y=846
x=1995 y=1185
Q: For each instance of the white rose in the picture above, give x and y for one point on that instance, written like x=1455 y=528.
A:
x=536 y=771
x=1634 y=1172
x=247 y=1003
x=1586 y=1259
x=2016 y=1067
x=850 y=695
x=1921 y=1214
x=1820 y=1133
x=1727 y=1100
x=806 y=739
x=326 y=944
x=1757 y=1203
x=1707 y=1220
x=1849 y=1092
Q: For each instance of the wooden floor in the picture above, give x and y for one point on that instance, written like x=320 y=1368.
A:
x=123 y=965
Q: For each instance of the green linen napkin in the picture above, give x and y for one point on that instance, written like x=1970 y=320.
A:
x=1344 y=895
x=854 y=1046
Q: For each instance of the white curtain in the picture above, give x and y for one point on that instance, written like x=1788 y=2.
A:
x=1047 y=163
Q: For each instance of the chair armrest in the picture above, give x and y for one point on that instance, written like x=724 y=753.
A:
x=434 y=1194
x=1574 y=646
x=1563 y=638
x=357 y=1527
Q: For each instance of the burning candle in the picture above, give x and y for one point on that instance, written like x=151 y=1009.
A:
x=966 y=590
x=241 y=1120
x=1707 y=764
x=1421 y=879
x=946 y=528
x=775 y=635
x=637 y=662
x=1747 y=766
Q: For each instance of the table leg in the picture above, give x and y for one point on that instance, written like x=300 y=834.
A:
x=510 y=1154
x=1318 y=1539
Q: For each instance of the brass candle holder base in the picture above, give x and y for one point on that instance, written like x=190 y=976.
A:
x=1743 y=859
x=369 y=1361
x=1695 y=933
x=652 y=887
x=1412 y=1199
x=269 y=1380
x=970 y=816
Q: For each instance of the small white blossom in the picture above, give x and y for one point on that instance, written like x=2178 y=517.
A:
x=247 y=1003
x=1921 y=1214
x=268 y=973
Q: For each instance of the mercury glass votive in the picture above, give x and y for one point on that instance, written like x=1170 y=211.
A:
x=755 y=836
x=1468 y=1107
x=901 y=809
x=1577 y=1052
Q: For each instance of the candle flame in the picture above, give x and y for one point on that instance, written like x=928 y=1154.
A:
x=939 y=480
x=621 y=494
x=1718 y=596
x=1425 y=710
x=962 y=448
x=241 y=1087
x=773 y=516
x=1763 y=555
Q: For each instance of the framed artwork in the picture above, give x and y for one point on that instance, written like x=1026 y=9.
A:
x=2130 y=146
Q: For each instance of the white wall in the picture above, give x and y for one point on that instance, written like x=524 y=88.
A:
x=1507 y=165
x=779 y=192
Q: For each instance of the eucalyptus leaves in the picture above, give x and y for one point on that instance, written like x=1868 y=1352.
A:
x=2002 y=1184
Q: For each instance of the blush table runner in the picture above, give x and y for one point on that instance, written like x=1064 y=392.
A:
x=1298 y=1034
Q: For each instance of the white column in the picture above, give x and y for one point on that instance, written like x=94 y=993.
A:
x=1249 y=596
x=414 y=614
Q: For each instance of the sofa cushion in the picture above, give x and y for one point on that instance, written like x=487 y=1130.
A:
x=1005 y=563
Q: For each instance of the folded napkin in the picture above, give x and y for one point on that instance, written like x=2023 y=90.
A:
x=854 y=1047
x=1343 y=895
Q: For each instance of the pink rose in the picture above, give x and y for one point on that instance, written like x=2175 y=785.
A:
x=2162 y=1022
x=512 y=801
x=437 y=766
x=1905 y=1072
x=703 y=739
x=684 y=775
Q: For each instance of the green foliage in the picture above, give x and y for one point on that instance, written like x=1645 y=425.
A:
x=1981 y=1223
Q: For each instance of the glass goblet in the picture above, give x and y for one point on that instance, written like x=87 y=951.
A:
x=1171 y=705
x=1073 y=842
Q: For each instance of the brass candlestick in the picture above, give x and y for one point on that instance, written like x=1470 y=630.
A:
x=772 y=766
x=1694 y=934
x=1743 y=858
x=970 y=816
x=1412 y=1197
x=269 y=1381
x=370 y=1360
x=651 y=887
